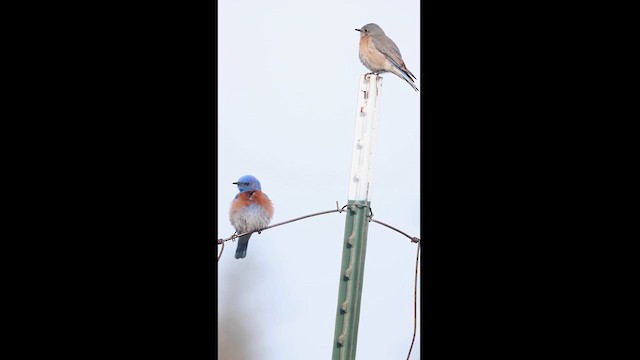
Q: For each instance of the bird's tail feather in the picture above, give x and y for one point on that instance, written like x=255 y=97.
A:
x=412 y=84
x=241 y=250
x=407 y=76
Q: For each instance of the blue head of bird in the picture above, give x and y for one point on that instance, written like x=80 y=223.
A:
x=248 y=183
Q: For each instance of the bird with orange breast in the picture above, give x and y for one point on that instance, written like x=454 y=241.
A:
x=379 y=54
x=251 y=210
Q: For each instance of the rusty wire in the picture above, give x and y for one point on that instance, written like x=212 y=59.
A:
x=235 y=236
x=412 y=238
x=221 y=250
x=415 y=286
x=415 y=302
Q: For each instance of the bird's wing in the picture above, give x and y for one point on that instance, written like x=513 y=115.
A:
x=392 y=53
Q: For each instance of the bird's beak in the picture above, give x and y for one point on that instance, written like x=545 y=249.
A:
x=235 y=183
x=357 y=29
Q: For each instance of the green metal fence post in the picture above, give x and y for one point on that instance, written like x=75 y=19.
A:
x=357 y=220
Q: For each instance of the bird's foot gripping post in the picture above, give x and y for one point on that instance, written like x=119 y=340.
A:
x=357 y=220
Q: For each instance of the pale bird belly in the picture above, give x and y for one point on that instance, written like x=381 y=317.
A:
x=249 y=218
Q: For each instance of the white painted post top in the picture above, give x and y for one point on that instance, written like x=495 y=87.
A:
x=365 y=138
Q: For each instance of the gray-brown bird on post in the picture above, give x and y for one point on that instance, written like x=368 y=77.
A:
x=380 y=54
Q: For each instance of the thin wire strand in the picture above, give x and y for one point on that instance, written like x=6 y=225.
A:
x=234 y=236
x=415 y=302
x=413 y=239
x=415 y=285
x=221 y=252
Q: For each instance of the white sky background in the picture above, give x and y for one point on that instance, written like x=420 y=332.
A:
x=288 y=74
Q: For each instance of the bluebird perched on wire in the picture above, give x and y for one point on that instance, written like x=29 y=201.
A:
x=380 y=54
x=251 y=210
